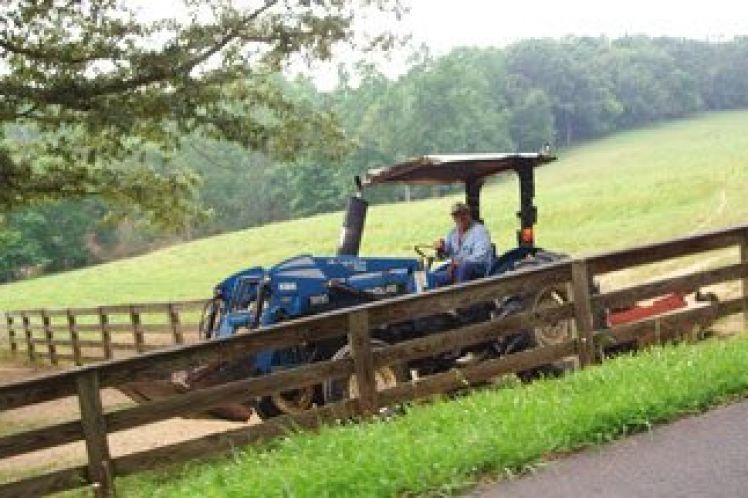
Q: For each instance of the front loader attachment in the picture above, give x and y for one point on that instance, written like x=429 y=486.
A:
x=152 y=390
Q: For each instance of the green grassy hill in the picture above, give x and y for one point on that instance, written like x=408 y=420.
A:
x=639 y=186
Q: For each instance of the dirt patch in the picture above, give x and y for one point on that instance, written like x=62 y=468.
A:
x=121 y=443
x=11 y=374
x=66 y=409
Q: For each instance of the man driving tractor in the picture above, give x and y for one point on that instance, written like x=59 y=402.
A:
x=468 y=245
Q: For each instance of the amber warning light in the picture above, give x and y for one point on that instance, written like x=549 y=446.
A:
x=527 y=235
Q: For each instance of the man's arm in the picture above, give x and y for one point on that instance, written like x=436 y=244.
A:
x=448 y=249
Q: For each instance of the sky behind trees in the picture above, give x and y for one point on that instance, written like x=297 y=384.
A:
x=442 y=25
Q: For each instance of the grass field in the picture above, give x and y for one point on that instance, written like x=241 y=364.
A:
x=645 y=185
x=444 y=447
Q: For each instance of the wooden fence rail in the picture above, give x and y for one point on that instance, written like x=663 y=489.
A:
x=86 y=335
x=99 y=330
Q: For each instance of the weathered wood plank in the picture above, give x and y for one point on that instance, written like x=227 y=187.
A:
x=683 y=283
x=106 y=335
x=581 y=287
x=95 y=433
x=74 y=338
x=116 y=346
x=51 y=312
x=359 y=341
x=49 y=338
x=84 y=359
x=176 y=328
x=41 y=438
x=659 y=251
x=111 y=327
x=461 y=378
x=64 y=342
x=30 y=350
x=238 y=391
x=223 y=442
x=52 y=482
x=153 y=307
x=11 y=333
x=469 y=335
x=137 y=330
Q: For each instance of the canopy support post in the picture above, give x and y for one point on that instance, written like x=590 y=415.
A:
x=472 y=197
x=528 y=213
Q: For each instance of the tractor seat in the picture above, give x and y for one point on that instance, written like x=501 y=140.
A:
x=506 y=261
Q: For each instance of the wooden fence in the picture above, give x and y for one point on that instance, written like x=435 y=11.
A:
x=86 y=335
x=95 y=425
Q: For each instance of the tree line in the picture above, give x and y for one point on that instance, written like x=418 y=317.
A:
x=515 y=98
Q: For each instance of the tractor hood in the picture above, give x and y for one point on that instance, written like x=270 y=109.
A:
x=306 y=284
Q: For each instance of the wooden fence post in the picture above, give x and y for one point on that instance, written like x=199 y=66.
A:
x=74 y=338
x=29 y=337
x=176 y=328
x=106 y=334
x=581 y=289
x=49 y=337
x=95 y=432
x=11 y=333
x=137 y=330
x=363 y=361
x=744 y=282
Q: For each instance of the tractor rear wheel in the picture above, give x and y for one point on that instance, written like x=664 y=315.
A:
x=347 y=388
x=551 y=332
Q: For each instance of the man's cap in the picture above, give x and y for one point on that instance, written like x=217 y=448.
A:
x=459 y=207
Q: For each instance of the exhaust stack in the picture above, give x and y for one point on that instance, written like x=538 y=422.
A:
x=353 y=227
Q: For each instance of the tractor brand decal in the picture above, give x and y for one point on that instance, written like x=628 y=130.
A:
x=319 y=300
x=356 y=265
x=287 y=286
x=384 y=291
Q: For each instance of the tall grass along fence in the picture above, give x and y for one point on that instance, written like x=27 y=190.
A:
x=586 y=343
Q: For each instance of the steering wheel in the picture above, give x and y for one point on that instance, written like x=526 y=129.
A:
x=427 y=251
x=429 y=254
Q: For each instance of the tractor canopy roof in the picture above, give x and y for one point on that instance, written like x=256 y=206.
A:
x=454 y=168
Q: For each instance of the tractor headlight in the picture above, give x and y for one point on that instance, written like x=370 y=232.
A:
x=319 y=299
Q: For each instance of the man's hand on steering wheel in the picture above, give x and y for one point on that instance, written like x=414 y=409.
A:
x=440 y=248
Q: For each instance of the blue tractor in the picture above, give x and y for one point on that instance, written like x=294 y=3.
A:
x=306 y=285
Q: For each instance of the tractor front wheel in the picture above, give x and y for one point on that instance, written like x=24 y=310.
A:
x=347 y=388
x=286 y=403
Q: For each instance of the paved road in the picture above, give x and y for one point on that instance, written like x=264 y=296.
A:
x=704 y=456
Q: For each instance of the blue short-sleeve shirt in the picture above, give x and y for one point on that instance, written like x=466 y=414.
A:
x=473 y=247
